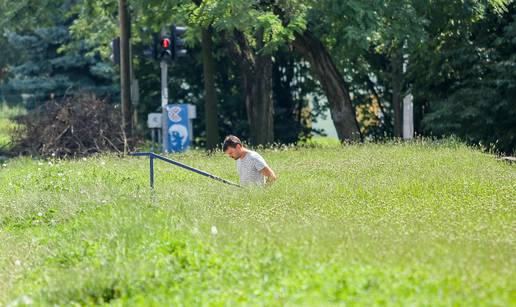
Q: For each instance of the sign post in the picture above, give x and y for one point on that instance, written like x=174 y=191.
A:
x=154 y=123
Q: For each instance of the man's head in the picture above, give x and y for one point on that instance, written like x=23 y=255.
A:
x=233 y=147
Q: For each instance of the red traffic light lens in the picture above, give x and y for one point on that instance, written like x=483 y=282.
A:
x=165 y=43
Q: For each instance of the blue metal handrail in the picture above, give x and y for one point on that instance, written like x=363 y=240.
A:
x=153 y=156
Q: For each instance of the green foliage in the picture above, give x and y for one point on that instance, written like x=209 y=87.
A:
x=422 y=223
x=474 y=89
x=54 y=64
x=460 y=57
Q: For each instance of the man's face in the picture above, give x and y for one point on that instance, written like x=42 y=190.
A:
x=234 y=152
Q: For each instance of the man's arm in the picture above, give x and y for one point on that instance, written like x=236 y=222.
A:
x=269 y=174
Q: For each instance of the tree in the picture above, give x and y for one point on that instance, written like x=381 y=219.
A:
x=125 y=77
x=342 y=112
x=471 y=94
x=210 y=94
x=48 y=73
x=293 y=88
x=46 y=66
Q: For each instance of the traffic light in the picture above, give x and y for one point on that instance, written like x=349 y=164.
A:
x=166 y=47
x=152 y=50
x=178 y=43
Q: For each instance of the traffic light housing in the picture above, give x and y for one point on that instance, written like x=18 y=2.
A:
x=179 y=44
x=166 y=46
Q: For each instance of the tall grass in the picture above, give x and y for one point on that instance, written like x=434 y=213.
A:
x=6 y=122
x=419 y=223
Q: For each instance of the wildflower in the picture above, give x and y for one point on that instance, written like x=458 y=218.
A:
x=26 y=300
x=17 y=263
x=214 y=230
x=40 y=213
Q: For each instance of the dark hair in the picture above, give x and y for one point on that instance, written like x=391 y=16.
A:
x=231 y=141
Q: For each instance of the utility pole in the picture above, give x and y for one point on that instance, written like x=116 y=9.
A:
x=125 y=78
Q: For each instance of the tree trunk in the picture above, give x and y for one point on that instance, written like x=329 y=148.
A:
x=397 y=90
x=258 y=100
x=257 y=82
x=287 y=110
x=125 y=85
x=342 y=111
x=210 y=94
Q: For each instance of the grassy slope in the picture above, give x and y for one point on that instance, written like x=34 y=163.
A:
x=422 y=223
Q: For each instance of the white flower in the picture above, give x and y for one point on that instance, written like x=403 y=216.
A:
x=26 y=300
x=40 y=163
x=22 y=300
x=4 y=165
x=40 y=214
x=17 y=263
x=103 y=163
x=214 y=230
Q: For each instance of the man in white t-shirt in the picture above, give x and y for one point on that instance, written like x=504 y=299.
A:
x=251 y=167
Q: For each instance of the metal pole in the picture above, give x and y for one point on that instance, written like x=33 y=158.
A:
x=151 y=164
x=198 y=171
x=125 y=82
x=153 y=139
x=164 y=102
x=160 y=140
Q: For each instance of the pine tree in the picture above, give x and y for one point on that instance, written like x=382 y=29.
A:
x=51 y=70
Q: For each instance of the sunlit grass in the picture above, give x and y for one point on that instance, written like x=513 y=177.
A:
x=420 y=223
x=6 y=122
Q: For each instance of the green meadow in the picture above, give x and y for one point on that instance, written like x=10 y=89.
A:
x=428 y=223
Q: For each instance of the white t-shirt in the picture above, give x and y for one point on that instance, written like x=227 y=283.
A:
x=249 y=168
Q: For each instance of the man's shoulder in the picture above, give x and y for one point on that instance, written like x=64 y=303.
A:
x=254 y=155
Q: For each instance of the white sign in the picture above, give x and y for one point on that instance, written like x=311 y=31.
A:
x=154 y=120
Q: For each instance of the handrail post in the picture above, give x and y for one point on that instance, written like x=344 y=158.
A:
x=153 y=156
x=151 y=164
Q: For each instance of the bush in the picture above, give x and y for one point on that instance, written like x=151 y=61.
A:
x=73 y=126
